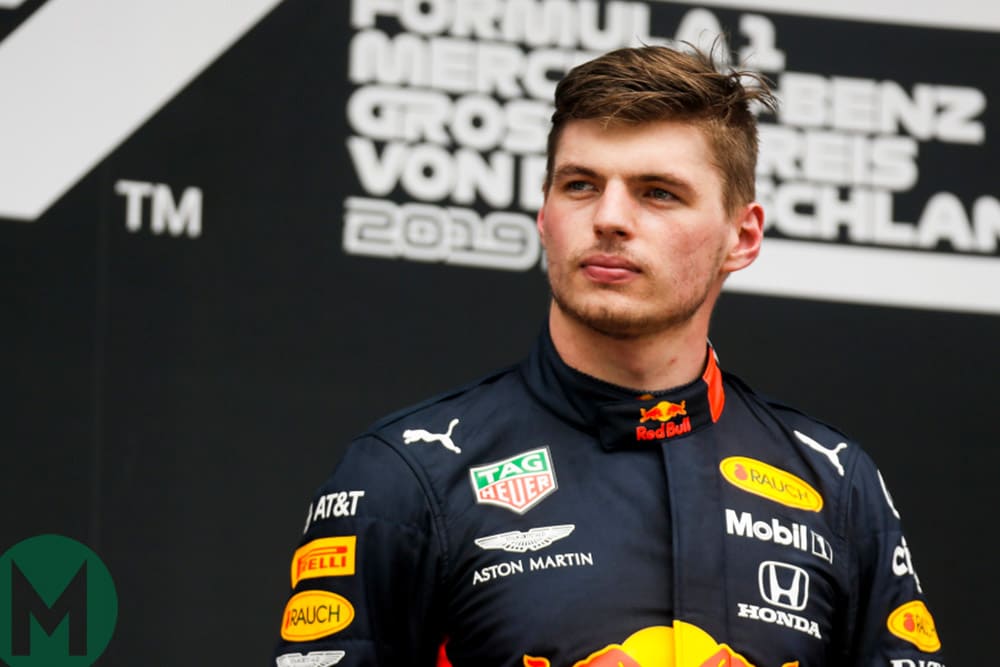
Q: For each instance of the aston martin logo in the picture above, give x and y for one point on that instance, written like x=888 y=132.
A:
x=311 y=659
x=528 y=540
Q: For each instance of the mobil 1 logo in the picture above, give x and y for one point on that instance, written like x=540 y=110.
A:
x=58 y=604
x=794 y=535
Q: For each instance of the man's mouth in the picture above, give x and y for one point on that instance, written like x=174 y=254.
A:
x=609 y=268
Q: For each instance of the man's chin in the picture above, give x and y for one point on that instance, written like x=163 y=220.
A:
x=621 y=320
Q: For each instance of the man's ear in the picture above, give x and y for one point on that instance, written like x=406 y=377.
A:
x=540 y=224
x=748 y=233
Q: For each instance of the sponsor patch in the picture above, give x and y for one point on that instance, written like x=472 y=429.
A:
x=311 y=659
x=831 y=453
x=665 y=430
x=333 y=506
x=888 y=496
x=655 y=646
x=310 y=615
x=325 y=557
x=913 y=622
x=783 y=585
x=902 y=563
x=518 y=483
x=663 y=413
x=794 y=535
x=786 y=586
x=534 y=563
x=519 y=541
x=413 y=435
x=785 y=619
x=775 y=484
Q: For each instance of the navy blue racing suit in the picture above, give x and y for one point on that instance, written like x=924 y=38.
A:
x=543 y=517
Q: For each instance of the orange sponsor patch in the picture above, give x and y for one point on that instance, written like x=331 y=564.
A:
x=663 y=411
x=680 y=645
x=531 y=661
x=310 y=615
x=325 y=557
x=913 y=622
x=775 y=484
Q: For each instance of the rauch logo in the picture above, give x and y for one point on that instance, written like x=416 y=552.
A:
x=775 y=484
x=913 y=622
x=310 y=615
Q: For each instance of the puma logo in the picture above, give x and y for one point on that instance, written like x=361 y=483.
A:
x=832 y=454
x=412 y=435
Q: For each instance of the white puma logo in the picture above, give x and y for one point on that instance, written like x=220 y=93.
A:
x=831 y=454
x=421 y=435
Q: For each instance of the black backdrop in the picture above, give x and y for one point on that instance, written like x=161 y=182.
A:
x=171 y=400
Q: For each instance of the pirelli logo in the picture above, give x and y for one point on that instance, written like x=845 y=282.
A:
x=325 y=557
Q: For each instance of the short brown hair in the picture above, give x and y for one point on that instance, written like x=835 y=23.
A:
x=651 y=83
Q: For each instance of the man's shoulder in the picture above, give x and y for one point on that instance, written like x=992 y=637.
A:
x=425 y=441
x=434 y=419
x=790 y=415
x=837 y=458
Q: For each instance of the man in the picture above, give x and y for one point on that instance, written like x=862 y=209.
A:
x=616 y=499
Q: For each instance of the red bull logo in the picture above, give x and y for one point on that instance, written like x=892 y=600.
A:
x=663 y=411
x=666 y=430
x=655 y=647
x=612 y=656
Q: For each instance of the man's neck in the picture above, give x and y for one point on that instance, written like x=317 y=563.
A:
x=655 y=362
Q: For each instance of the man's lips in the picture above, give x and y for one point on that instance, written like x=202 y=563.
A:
x=609 y=268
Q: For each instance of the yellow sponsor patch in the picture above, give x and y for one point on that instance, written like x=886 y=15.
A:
x=325 y=557
x=913 y=622
x=310 y=615
x=775 y=484
x=680 y=645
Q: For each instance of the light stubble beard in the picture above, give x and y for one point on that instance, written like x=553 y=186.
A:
x=621 y=322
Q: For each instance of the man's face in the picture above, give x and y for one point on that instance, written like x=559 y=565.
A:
x=637 y=238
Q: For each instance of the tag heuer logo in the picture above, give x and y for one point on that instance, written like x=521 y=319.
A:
x=518 y=483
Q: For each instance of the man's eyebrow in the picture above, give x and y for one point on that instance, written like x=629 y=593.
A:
x=673 y=180
x=567 y=170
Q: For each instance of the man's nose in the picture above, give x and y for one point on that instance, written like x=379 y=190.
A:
x=615 y=212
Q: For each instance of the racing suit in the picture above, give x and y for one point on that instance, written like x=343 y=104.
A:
x=543 y=517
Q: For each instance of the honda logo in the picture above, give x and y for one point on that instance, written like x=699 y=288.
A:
x=783 y=585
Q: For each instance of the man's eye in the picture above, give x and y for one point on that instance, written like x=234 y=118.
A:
x=578 y=186
x=660 y=193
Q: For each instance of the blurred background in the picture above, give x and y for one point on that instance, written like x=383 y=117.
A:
x=234 y=234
